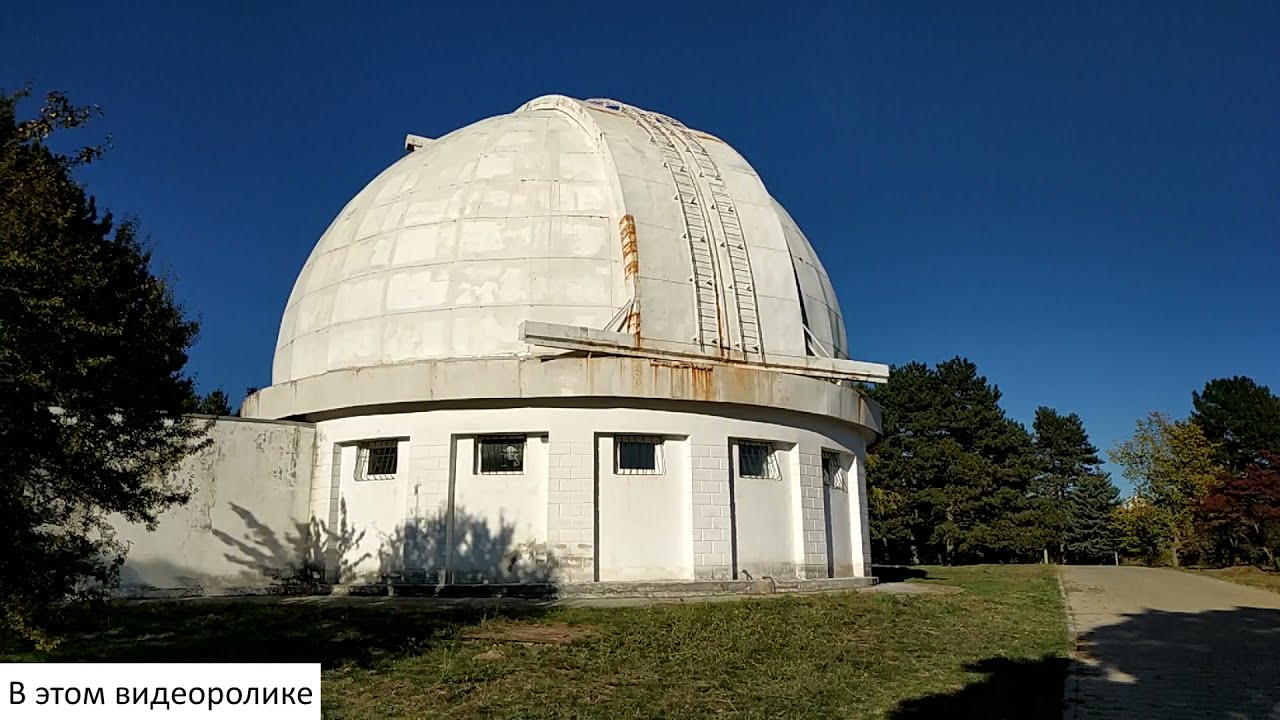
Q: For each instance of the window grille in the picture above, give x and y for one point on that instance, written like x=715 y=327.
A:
x=638 y=455
x=756 y=460
x=833 y=475
x=377 y=460
x=500 y=454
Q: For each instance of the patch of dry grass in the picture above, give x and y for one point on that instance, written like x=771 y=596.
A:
x=1246 y=575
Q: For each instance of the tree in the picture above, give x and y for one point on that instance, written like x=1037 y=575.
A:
x=1064 y=458
x=217 y=402
x=92 y=351
x=950 y=471
x=1142 y=531
x=1090 y=536
x=1241 y=417
x=1171 y=465
x=1244 y=510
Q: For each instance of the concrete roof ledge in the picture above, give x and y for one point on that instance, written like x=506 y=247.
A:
x=529 y=378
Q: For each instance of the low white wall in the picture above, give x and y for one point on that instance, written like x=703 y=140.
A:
x=679 y=525
x=247 y=521
x=271 y=497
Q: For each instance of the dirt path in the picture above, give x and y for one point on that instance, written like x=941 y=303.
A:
x=1155 y=643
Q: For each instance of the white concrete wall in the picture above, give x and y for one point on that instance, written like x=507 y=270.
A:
x=710 y=508
x=271 y=497
x=376 y=546
x=859 y=515
x=675 y=525
x=247 y=521
x=839 y=511
x=500 y=521
x=765 y=520
x=644 y=519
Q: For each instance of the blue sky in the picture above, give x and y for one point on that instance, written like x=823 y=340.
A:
x=1080 y=197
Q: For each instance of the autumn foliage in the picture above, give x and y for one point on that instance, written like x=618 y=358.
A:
x=1242 y=514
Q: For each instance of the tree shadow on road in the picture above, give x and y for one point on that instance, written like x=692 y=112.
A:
x=1220 y=663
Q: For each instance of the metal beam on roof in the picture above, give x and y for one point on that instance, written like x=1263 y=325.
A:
x=584 y=339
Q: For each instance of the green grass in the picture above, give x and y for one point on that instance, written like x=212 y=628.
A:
x=994 y=650
x=1245 y=575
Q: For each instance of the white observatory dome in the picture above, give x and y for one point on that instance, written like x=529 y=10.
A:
x=575 y=344
x=570 y=212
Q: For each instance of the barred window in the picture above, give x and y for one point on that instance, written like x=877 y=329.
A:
x=377 y=459
x=756 y=460
x=500 y=454
x=638 y=455
x=833 y=475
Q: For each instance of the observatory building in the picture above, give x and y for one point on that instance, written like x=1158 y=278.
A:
x=576 y=343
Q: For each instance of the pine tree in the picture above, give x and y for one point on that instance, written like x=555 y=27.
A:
x=216 y=403
x=1241 y=418
x=955 y=467
x=1064 y=459
x=1090 y=535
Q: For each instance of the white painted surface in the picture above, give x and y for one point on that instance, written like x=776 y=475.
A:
x=370 y=519
x=675 y=525
x=500 y=520
x=247 y=521
x=516 y=381
x=412 y=300
x=710 y=510
x=765 y=521
x=860 y=520
x=516 y=218
x=840 y=523
x=644 y=519
x=299 y=505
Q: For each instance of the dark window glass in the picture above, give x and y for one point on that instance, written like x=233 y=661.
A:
x=383 y=460
x=832 y=471
x=377 y=460
x=755 y=460
x=639 y=455
x=501 y=454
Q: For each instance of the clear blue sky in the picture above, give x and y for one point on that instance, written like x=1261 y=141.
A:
x=1083 y=198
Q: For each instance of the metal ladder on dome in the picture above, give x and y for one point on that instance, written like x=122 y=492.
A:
x=697 y=228
x=735 y=241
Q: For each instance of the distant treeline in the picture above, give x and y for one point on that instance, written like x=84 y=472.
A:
x=954 y=480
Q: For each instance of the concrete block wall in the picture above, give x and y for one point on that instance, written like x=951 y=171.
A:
x=712 y=511
x=812 y=517
x=428 y=468
x=325 y=487
x=428 y=496
x=571 y=504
